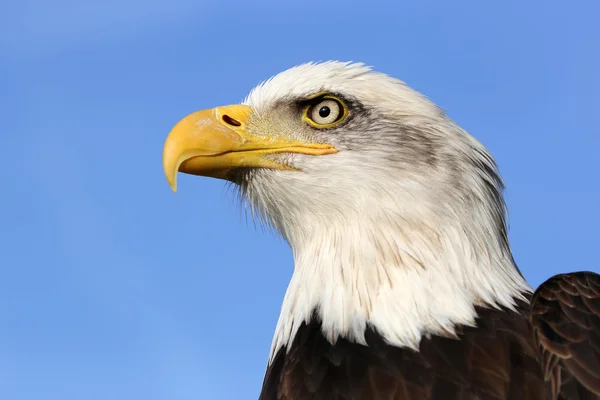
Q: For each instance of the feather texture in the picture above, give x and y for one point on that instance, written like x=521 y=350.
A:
x=565 y=315
x=495 y=360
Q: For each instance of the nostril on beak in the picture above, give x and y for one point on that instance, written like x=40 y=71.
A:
x=231 y=121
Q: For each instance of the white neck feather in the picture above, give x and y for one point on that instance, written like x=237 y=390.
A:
x=403 y=277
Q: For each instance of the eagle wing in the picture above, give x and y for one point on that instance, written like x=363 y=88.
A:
x=565 y=316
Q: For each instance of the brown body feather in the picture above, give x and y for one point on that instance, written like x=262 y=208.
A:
x=565 y=315
x=500 y=358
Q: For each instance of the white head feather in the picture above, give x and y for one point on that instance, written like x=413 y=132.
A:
x=404 y=229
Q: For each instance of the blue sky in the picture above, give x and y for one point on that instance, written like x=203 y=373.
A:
x=112 y=287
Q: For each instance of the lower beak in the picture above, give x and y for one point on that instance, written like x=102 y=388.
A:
x=211 y=142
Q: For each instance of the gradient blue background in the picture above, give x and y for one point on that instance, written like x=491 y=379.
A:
x=112 y=287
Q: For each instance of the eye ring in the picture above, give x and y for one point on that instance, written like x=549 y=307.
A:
x=325 y=112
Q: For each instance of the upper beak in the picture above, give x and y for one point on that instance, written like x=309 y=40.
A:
x=210 y=142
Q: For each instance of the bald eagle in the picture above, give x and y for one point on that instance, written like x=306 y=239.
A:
x=404 y=284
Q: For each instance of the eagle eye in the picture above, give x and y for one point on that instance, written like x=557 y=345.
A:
x=325 y=112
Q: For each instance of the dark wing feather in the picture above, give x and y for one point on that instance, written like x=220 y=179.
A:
x=565 y=316
x=496 y=360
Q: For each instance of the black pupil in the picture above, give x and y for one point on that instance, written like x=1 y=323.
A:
x=324 y=112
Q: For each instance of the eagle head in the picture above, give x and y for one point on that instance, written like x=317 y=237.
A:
x=395 y=214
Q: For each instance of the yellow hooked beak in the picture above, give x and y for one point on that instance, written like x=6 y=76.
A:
x=210 y=142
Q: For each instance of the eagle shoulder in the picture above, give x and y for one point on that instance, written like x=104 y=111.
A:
x=565 y=316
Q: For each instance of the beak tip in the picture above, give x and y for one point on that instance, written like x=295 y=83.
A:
x=172 y=180
x=170 y=166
